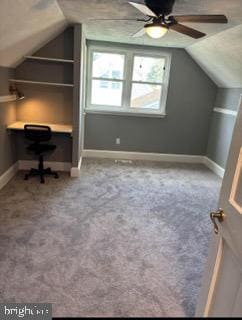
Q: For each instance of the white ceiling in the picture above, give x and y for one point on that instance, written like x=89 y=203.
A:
x=220 y=56
x=26 y=25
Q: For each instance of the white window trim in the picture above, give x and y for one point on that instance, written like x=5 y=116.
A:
x=127 y=81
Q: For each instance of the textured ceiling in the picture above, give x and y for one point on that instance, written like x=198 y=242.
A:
x=121 y=31
x=220 y=56
x=25 y=25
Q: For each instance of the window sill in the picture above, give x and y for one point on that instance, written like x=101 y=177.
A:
x=126 y=113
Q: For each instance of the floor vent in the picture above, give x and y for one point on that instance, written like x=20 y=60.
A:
x=123 y=161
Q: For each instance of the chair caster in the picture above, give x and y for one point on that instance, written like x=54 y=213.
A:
x=56 y=176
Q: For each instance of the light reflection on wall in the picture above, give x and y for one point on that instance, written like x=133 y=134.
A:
x=47 y=105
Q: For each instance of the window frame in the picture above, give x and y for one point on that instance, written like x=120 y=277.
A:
x=129 y=56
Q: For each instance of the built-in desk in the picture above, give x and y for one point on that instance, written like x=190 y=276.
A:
x=58 y=128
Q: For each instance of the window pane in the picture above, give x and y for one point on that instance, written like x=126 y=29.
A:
x=148 y=69
x=108 y=65
x=107 y=93
x=145 y=96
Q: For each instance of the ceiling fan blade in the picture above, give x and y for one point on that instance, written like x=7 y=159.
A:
x=187 y=31
x=139 y=33
x=143 y=8
x=116 y=19
x=211 y=18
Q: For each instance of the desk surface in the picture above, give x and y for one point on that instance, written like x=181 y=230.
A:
x=60 y=128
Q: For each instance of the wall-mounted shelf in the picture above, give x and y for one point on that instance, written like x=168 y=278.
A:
x=49 y=59
x=8 y=98
x=42 y=83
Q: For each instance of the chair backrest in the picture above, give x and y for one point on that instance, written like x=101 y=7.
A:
x=37 y=133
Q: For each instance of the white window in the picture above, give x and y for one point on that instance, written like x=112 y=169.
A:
x=127 y=81
x=107 y=79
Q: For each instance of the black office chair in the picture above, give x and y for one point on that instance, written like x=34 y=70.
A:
x=38 y=134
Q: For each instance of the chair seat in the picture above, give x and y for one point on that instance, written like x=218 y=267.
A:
x=41 y=148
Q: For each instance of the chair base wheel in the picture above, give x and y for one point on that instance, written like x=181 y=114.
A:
x=41 y=173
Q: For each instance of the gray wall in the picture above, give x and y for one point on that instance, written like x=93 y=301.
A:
x=228 y=98
x=222 y=125
x=61 y=47
x=184 y=130
x=45 y=104
x=61 y=154
x=48 y=104
x=45 y=71
x=8 y=154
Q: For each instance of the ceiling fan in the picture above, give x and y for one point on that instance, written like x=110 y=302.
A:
x=158 y=19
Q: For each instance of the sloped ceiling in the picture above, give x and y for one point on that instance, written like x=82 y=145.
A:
x=26 y=25
x=221 y=57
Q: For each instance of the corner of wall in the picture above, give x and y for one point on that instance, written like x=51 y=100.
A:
x=7 y=116
x=222 y=125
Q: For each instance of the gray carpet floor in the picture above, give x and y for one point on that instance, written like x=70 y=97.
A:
x=122 y=240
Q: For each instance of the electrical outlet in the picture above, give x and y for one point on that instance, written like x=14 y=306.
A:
x=117 y=140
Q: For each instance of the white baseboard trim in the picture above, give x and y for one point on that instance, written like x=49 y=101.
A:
x=8 y=175
x=56 y=166
x=76 y=171
x=214 y=167
x=162 y=157
x=126 y=155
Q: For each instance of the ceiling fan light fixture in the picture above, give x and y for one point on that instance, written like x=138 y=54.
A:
x=156 y=31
